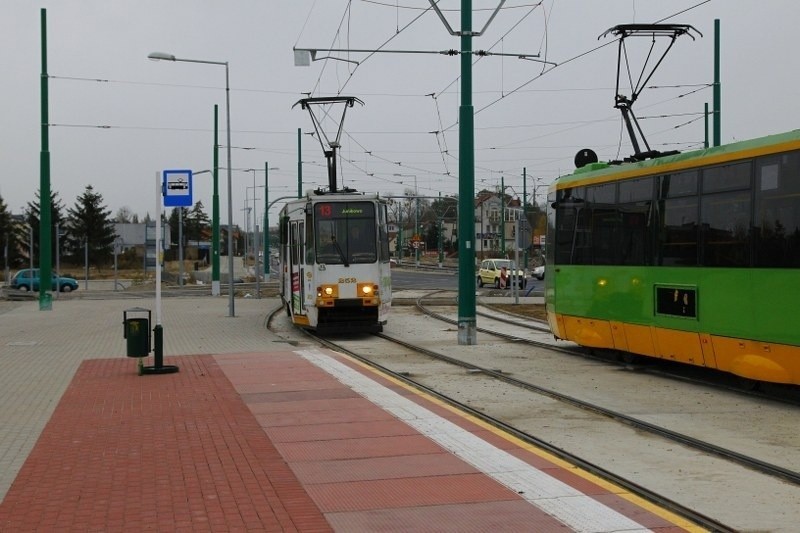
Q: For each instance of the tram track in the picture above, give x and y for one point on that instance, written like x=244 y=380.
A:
x=700 y=445
x=635 y=488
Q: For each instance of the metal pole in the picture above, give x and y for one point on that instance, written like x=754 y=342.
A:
x=6 y=270
x=180 y=247
x=231 y=312
x=30 y=248
x=116 y=251
x=439 y=235
x=515 y=267
x=215 y=290
x=400 y=236
x=246 y=211
x=467 y=332
x=525 y=212
x=45 y=240
x=299 y=163
x=85 y=262
x=416 y=222
x=266 y=220
x=503 y=216
x=58 y=249
x=717 y=87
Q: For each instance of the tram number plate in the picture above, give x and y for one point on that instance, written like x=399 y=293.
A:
x=348 y=280
x=676 y=301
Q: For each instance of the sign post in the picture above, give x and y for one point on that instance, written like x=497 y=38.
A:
x=174 y=190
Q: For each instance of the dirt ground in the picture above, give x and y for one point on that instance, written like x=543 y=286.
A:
x=531 y=310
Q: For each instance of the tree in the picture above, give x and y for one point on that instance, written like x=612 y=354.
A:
x=124 y=215
x=12 y=247
x=196 y=221
x=89 y=224
x=32 y=217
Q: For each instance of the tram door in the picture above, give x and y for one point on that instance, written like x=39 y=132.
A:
x=296 y=236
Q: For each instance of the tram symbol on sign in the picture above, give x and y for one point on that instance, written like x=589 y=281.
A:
x=177 y=188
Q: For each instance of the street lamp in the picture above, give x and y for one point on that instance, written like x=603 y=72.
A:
x=416 y=215
x=159 y=56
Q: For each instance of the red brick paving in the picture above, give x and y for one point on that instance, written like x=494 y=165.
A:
x=176 y=452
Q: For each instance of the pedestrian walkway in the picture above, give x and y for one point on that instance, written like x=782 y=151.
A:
x=254 y=434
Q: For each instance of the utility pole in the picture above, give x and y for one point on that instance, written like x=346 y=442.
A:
x=717 y=87
x=525 y=214
x=467 y=323
x=45 y=241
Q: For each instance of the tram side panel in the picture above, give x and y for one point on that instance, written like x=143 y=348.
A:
x=692 y=258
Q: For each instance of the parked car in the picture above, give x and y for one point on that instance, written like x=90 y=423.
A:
x=538 y=272
x=497 y=272
x=28 y=280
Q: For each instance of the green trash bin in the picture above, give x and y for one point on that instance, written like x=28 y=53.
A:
x=136 y=333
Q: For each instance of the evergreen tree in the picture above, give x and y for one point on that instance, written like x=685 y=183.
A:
x=32 y=217
x=12 y=247
x=89 y=222
x=195 y=222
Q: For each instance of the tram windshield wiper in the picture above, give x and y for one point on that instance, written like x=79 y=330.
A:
x=339 y=250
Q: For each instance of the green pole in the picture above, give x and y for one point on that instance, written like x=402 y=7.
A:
x=416 y=222
x=441 y=248
x=717 y=88
x=502 y=216
x=215 y=288
x=467 y=333
x=525 y=214
x=299 y=163
x=45 y=240
x=266 y=220
x=705 y=142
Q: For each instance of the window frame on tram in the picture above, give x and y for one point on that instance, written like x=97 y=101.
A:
x=743 y=213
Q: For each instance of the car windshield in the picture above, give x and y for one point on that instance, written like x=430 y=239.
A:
x=503 y=264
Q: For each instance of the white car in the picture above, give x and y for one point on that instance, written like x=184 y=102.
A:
x=538 y=272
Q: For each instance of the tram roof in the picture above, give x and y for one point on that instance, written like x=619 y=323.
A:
x=604 y=172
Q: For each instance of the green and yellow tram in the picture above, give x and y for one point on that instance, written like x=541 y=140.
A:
x=692 y=257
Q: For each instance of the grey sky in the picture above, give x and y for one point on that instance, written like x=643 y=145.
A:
x=161 y=113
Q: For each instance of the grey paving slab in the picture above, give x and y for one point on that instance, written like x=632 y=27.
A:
x=41 y=350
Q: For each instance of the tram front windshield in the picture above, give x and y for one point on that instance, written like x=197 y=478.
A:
x=345 y=232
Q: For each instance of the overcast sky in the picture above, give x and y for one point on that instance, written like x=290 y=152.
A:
x=146 y=116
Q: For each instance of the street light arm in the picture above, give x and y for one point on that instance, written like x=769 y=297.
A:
x=161 y=56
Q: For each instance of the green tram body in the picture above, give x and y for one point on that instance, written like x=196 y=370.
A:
x=692 y=257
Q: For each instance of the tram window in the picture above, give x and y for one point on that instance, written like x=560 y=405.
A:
x=777 y=211
x=602 y=194
x=604 y=235
x=725 y=219
x=676 y=185
x=678 y=232
x=295 y=244
x=383 y=235
x=727 y=177
x=639 y=190
x=635 y=242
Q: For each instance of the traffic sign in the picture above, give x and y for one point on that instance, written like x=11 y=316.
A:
x=177 y=188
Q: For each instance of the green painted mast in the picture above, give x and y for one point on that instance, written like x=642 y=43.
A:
x=215 y=282
x=717 y=88
x=467 y=330
x=45 y=239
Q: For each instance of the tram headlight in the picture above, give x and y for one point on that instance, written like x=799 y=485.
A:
x=327 y=291
x=367 y=290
